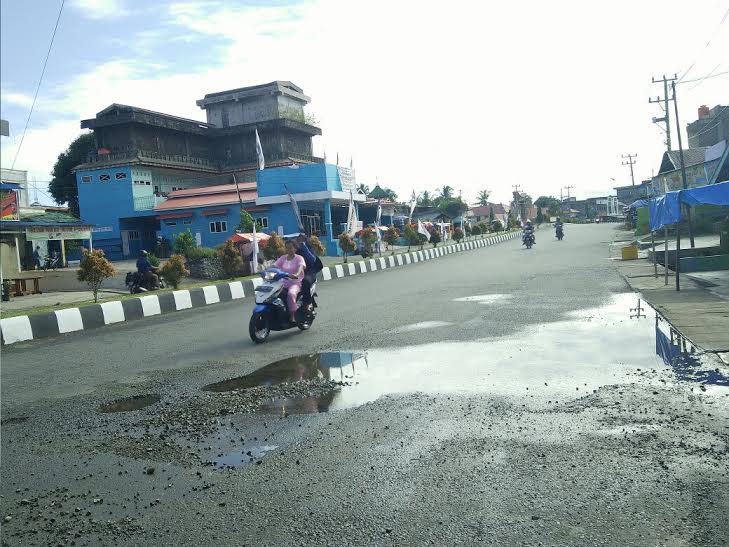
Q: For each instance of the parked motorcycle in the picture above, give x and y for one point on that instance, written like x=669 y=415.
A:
x=136 y=283
x=560 y=233
x=53 y=262
x=271 y=312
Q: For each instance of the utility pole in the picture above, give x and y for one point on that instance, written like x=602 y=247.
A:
x=666 y=116
x=631 y=162
x=569 y=206
x=683 y=176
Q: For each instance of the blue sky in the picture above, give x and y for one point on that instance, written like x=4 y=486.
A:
x=473 y=95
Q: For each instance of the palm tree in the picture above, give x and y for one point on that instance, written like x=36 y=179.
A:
x=483 y=197
x=446 y=192
x=425 y=200
x=363 y=189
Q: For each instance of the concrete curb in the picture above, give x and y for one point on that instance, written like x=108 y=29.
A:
x=45 y=325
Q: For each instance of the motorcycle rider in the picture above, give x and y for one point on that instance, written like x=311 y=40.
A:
x=313 y=266
x=148 y=272
x=558 y=226
x=529 y=231
x=294 y=265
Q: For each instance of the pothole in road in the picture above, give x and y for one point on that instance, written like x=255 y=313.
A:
x=242 y=458
x=14 y=420
x=130 y=404
x=546 y=364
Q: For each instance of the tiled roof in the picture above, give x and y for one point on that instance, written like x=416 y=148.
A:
x=209 y=196
x=691 y=156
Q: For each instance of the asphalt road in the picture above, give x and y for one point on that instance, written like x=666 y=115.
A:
x=507 y=399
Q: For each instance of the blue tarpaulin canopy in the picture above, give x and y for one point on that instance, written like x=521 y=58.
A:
x=666 y=210
x=637 y=204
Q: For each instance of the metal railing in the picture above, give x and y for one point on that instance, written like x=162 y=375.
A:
x=147 y=203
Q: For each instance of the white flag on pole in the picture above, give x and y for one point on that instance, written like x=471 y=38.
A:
x=377 y=225
x=295 y=207
x=423 y=230
x=254 y=266
x=413 y=201
x=259 y=152
x=351 y=216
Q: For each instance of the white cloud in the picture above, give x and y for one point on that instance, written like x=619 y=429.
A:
x=421 y=95
x=19 y=99
x=101 y=9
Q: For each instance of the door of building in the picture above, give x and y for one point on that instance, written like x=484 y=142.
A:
x=125 y=242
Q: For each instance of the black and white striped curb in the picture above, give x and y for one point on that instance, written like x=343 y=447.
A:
x=45 y=325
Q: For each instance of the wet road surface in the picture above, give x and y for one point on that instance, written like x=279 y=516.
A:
x=498 y=397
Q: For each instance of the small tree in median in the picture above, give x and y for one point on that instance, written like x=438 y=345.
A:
x=94 y=269
x=174 y=270
x=467 y=229
x=230 y=258
x=411 y=235
x=476 y=230
x=316 y=246
x=458 y=235
x=391 y=236
x=184 y=243
x=435 y=236
x=368 y=237
x=274 y=247
x=246 y=222
x=346 y=243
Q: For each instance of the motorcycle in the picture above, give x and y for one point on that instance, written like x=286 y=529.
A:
x=136 y=283
x=52 y=262
x=271 y=311
x=528 y=239
x=560 y=233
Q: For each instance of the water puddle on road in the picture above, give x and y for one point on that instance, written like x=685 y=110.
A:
x=130 y=404
x=484 y=299
x=241 y=458
x=539 y=365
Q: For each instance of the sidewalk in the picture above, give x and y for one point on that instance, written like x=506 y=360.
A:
x=699 y=311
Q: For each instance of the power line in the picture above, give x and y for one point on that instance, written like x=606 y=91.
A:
x=707 y=77
x=37 y=89
x=706 y=46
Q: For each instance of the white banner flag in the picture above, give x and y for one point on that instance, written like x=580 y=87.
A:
x=351 y=216
x=254 y=265
x=259 y=152
x=413 y=201
x=423 y=230
x=295 y=207
x=377 y=226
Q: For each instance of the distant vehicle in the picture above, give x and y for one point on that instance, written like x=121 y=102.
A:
x=528 y=238
x=136 y=283
x=560 y=232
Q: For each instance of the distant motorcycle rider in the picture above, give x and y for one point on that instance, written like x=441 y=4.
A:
x=529 y=232
x=558 y=227
x=149 y=272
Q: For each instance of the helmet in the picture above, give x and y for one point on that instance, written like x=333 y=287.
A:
x=143 y=253
x=557 y=218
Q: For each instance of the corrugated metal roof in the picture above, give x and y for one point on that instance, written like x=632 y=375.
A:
x=209 y=196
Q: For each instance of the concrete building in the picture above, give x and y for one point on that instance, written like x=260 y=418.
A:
x=142 y=157
x=703 y=166
x=711 y=127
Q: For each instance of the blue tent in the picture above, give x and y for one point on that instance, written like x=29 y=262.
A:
x=666 y=210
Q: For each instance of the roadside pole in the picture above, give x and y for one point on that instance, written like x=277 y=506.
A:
x=678 y=255
x=665 y=253
x=655 y=258
x=683 y=167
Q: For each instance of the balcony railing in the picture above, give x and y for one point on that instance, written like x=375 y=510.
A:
x=147 y=203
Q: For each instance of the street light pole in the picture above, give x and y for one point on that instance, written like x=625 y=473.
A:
x=683 y=171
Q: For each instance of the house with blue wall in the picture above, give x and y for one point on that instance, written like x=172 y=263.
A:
x=322 y=192
x=211 y=213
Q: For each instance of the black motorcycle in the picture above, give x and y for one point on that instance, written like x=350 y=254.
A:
x=560 y=233
x=528 y=239
x=137 y=283
x=53 y=262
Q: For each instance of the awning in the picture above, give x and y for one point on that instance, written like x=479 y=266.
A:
x=9 y=186
x=637 y=204
x=174 y=215
x=666 y=210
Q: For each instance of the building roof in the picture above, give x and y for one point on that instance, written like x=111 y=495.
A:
x=672 y=159
x=485 y=210
x=377 y=193
x=209 y=196
x=280 y=87
x=41 y=218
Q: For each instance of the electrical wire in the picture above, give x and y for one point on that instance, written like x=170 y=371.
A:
x=713 y=124
x=708 y=76
x=40 y=81
x=706 y=46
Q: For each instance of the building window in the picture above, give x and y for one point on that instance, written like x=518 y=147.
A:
x=226 y=118
x=187 y=221
x=218 y=226
x=105 y=177
x=170 y=222
x=86 y=178
x=148 y=183
x=156 y=189
x=263 y=221
x=120 y=176
x=133 y=235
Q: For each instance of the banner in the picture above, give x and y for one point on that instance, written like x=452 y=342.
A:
x=9 y=200
x=254 y=265
x=347 y=179
x=295 y=207
x=42 y=234
x=423 y=230
x=351 y=216
x=259 y=152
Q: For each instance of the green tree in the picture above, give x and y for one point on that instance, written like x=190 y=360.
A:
x=497 y=225
x=425 y=199
x=184 y=243
x=458 y=235
x=230 y=258
x=476 y=230
x=446 y=192
x=468 y=230
x=390 y=194
x=453 y=207
x=435 y=236
x=346 y=243
x=411 y=235
x=491 y=215
x=540 y=216
x=174 y=270
x=391 y=236
x=363 y=189
x=246 y=222
x=368 y=237
x=94 y=269
x=63 y=182
x=274 y=247
x=483 y=197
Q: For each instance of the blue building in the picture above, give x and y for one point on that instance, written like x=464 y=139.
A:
x=141 y=158
x=322 y=193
